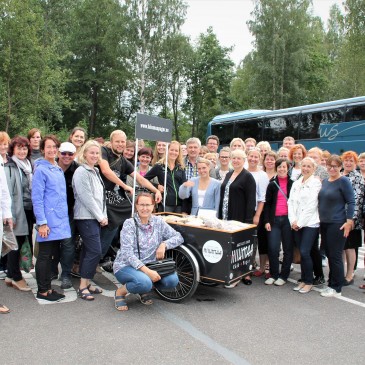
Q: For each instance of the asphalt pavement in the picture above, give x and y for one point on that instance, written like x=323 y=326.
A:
x=255 y=325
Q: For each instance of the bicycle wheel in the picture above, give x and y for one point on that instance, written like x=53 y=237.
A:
x=187 y=269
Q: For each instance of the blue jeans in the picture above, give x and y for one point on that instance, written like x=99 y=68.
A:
x=306 y=237
x=334 y=242
x=106 y=238
x=280 y=233
x=89 y=230
x=68 y=251
x=137 y=282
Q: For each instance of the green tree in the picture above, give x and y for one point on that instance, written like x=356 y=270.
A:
x=210 y=76
x=150 y=25
x=96 y=63
x=32 y=83
x=350 y=64
x=175 y=59
x=282 y=31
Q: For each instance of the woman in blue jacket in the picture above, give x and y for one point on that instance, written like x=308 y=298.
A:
x=204 y=190
x=50 y=209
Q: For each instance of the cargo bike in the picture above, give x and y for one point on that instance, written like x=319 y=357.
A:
x=209 y=256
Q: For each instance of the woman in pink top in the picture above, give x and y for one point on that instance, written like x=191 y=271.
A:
x=277 y=223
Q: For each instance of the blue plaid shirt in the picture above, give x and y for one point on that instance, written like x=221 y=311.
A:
x=190 y=170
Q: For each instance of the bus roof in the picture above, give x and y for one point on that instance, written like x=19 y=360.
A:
x=264 y=112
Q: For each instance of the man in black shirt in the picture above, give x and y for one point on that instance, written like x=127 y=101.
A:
x=66 y=156
x=114 y=169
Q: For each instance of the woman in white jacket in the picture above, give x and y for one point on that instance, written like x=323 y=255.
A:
x=304 y=219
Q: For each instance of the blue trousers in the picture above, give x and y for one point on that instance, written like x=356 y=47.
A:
x=306 y=237
x=281 y=232
x=89 y=230
x=334 y=242
x=137 y=282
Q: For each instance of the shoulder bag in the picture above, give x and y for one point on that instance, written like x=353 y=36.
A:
x=164 y=267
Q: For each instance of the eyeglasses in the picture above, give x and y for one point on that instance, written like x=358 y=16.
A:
x=333 y=167
x=145 y=205
x=67 y=154
x=224 y=157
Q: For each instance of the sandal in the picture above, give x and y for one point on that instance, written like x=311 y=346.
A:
x=145 y=299
x=119 y=302
x=4 y=309
x=85 y=296
x=94 y=291
x=362 y=286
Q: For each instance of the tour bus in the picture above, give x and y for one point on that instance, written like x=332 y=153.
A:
x=335 y=126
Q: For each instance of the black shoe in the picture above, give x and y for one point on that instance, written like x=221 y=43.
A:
x=318 y=280
x=66 y=283
x=50 y=297
x=61 y=296
x=247 y=281
x=347 y=283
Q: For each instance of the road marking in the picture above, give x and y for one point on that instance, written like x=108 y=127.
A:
x=345 y=299
x=186 y=326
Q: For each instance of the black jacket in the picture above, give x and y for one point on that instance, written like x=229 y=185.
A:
x=242 y=197
x=175 y=178
x=272 y=198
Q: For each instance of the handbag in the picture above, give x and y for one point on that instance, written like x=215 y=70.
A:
x=9 y=241
x=26 y=256
x=163 y=267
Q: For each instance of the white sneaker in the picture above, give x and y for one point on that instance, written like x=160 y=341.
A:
x=269 y=281
x=329 y=292
x=280 y=282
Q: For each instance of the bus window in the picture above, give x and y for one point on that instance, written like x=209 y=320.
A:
x=309 y=128
x=249 y=128
x=277 y=128
x=355 y=113
x=224 y=132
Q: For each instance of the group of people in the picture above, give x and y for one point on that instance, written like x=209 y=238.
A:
x=83 y=187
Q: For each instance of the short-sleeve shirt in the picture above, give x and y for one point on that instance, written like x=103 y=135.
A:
x=119 y=165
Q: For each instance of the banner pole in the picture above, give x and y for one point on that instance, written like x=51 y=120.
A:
x=135 y=175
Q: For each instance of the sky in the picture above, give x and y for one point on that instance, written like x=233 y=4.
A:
x=228 y=19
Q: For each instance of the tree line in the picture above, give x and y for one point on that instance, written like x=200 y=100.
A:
x=96 y=63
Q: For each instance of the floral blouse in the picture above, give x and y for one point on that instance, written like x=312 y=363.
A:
x=358 y=184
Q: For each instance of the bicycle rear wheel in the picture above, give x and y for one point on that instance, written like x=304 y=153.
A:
x=187 y=269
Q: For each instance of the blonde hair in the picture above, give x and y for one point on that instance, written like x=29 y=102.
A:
x=205 y=161
x=156 y=157
x=117 y=132
x=264 y=143
x=238 y=140
x=238 y=153
x=87 y=145
x=210 y=154
x=179 y=159
x=310 y=159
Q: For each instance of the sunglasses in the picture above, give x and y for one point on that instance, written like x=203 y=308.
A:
x=70 y=154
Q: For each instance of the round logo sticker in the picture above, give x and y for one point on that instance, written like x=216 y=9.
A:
x=212 y=251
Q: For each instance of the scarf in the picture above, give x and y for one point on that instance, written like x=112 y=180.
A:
x=26 y=167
